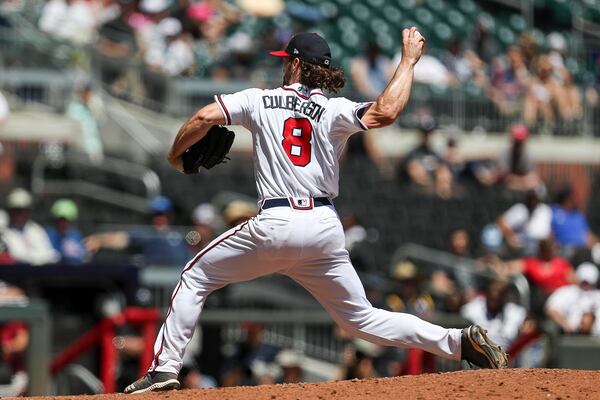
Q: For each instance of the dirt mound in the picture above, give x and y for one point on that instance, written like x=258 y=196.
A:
x=506 y=384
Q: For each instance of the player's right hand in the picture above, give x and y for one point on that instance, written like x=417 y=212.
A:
x=412 y=45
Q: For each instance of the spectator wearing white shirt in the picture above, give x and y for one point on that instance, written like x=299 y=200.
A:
x=26 y=240
x=572 y=307
x=493 y=312
x=525 y=224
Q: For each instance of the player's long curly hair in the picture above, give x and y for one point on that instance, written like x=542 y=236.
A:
x=316 y=76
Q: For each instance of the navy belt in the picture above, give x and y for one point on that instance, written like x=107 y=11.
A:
x=281 y=202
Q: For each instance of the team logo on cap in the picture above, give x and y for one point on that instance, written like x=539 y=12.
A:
x=326 y=62
x=296 y=51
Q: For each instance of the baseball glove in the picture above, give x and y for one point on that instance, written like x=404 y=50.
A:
x=209 y=151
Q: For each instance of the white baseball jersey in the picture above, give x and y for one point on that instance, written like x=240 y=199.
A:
x=298 y=134
x=298 y=138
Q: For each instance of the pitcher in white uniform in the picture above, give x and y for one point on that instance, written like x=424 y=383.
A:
x=298 y=137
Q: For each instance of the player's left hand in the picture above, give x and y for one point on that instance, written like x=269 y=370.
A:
x=209 y=151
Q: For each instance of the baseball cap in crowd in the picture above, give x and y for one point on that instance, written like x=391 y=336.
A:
x=587 y=272
x=426 y=124
x=154 y=6
x=519 y=132
x=161 y=205
x=169 y=27
x=204 y=214
x=19 y=198
x=404 y=270
x=64 y=208
x=308 y=47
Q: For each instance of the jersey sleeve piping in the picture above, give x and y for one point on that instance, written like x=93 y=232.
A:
x=356 y=110
x=221 y=105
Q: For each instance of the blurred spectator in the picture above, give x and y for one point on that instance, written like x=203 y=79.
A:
x=424 y=166
x=407 y=295
x=516 y=169
x=429 y=71
x=73 y=20
x=251 y=354
x=191 y=378
x=87 y=108
x=66 y=238
x=569 y=224
x=509 y=79
x=370 y=72
x=14 y=339
x=179 y=57
x=494 y=312
x=159 y=243
x=290 y=362
x=150 y=33
x=524 y=224
x=546 y=271
x=464 y=273
x=358 y=360
x=117 y=43
x=545 y=95
x=4 y=111
x=484 y=42
x=238 y=211
x=464 y=67
x=354 y=232
x=27 y=241
x=204 y=218
x=528 y=46
x=572 y=307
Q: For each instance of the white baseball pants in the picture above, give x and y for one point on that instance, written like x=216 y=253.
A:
x=307 y=246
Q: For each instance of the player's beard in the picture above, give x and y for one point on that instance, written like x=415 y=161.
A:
x=287 y=73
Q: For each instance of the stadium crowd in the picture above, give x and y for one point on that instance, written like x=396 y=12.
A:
x=531 y=80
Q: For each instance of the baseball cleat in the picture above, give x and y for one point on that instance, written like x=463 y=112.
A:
x=154 y=382
x=478 y=349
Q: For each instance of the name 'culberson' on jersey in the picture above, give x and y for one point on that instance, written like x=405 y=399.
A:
x=298 y=135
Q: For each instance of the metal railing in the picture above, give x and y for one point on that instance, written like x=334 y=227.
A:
x=83 y=185
x=449 y=262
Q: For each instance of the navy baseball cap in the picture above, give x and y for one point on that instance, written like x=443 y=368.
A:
x=308 y=47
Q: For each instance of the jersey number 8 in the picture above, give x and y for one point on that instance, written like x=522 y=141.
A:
x=297 y=133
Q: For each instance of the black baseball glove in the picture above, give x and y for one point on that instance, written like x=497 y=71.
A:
x=209 y=151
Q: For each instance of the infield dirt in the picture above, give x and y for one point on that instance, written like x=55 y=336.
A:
x=506 y=384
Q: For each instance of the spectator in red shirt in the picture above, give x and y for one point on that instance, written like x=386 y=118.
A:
x=546 y=271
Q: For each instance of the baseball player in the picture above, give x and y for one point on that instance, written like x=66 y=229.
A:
x=298 y=136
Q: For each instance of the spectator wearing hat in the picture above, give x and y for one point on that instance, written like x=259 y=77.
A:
x=407 y=296
x=238 y=211
x=66 y=238
x=423 y=166
x=204 y=217
x=515 y=168
x=159 y=243
x=26 y=240
x=572 y=307
x=524 y=224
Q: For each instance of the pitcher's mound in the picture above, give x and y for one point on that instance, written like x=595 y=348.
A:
x=504 y=384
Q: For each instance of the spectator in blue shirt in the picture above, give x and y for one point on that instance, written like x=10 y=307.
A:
x=569 y=224
x=158 y=243
x=65 y=238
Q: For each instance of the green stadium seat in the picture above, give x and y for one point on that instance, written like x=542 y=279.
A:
x=392 y=14
x=517 y=22
x=424 y=17
x=468 y=7
x=407 y=4
x=506 y=36
x=361 y=12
